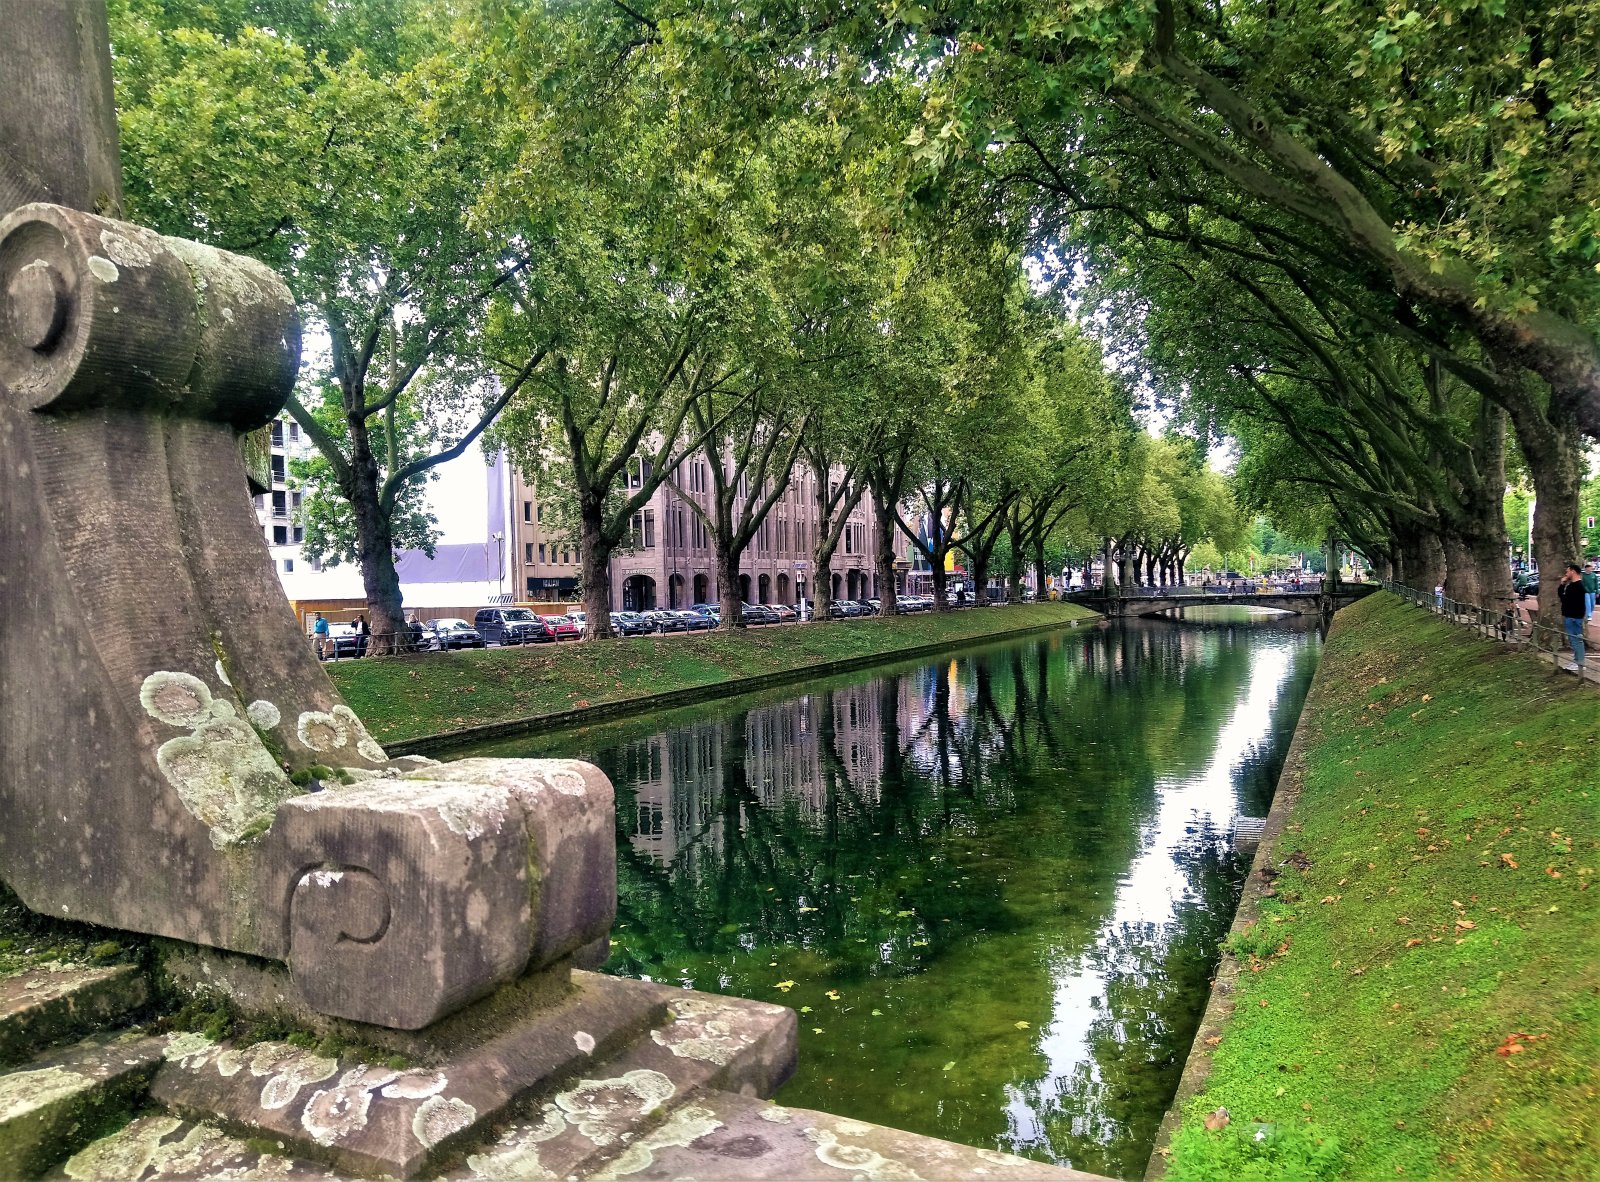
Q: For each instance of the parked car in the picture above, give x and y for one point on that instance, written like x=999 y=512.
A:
x=714 y=610
x=666 y=621
x=1526 y=583
x=451 y=633
x=786 y=614
x=344 y=641
x=756 y=614
x=511 y=625
x=562 y=628
x=844 y=609
x=867 y=606
x=629 y=624
x=581 y=620
x=696 y=621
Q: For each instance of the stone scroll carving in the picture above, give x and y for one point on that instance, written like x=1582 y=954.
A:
x=156 y=694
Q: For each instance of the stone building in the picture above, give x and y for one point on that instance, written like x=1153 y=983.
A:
x=673 y=563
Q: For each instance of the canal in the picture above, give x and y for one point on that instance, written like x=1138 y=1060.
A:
x=992 y=885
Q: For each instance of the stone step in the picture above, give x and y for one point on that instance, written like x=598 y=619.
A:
x=366 y=1118
x=721 y=1137
x=152 y=1147
x=51 y=1004
x=711 y=1043
x=64 y=1099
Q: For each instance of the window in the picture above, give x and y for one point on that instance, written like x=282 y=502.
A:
x=649 y=528
x=566 y=556
x=527 y=552
x=288 y=566
x=280 y=535
x=541 y=551
x=299 y=533
x=277 y=469
x=527 y=510
x=277 y=434
x=531 y=587
x=294 y=500
x=280 y=504
x=540 y=513
x=294 y=432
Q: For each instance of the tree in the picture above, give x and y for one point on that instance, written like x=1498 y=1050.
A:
x=316 y=145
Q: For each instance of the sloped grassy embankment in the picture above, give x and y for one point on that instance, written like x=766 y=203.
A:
x=1419 y=995
x=403 y=698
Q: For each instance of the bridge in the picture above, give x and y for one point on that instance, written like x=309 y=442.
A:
x=1146 y=602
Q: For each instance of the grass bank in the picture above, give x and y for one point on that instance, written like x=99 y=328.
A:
x=1415 y=983
x=403 y=699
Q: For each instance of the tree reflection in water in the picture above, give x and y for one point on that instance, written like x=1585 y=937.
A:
x=995 y=884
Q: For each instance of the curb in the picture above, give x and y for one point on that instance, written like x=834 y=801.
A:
x=727 y=688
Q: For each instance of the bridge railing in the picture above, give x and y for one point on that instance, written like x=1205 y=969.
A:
x=1220 y=587
x=1504 y=623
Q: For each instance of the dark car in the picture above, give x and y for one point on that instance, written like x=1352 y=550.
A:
x=868 y=608
x=714 y=610
x=344 y=641
x=1526 y=583
x=629 y=624
x=667 y=621
x=511 y=625
x=756 y=614
x=452 y=633
x=697 y=621
x=844 y=609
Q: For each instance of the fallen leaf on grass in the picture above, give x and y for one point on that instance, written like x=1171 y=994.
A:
x=1513 y=1044
x=1509 y=861
x=1412 y=943
x=1465 y=925
x=1213 y=1040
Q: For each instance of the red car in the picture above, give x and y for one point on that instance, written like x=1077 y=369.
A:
x=563 y=628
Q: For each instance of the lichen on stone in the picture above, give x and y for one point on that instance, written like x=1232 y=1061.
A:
x=437 y=1118
x=22 y=1092
x=603 y=1110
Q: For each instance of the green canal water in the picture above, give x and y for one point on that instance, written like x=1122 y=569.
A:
x=993 y=885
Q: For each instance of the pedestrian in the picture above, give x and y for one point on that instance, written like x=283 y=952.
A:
x=320 y=631
x=361 y=636
x=1438 y=597
x=1591 y=585
x=1570 y=591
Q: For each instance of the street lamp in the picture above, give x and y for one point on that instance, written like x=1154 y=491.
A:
x=500 y=559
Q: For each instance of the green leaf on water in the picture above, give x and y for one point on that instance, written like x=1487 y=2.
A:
x=877 y=1013
x=728 y=928
x=948 y=1066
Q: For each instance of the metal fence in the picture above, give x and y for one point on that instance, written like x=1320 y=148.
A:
x=1505 y=623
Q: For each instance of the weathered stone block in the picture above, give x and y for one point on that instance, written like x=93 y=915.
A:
x=59 y=1102
x=44 y=1006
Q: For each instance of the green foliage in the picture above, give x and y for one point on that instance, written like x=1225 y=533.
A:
x=1254 y=1153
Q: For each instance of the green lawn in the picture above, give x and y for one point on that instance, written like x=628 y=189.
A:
x=1422 y=996
x=431 y=693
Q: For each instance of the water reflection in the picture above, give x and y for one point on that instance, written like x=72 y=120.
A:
x=993 y=884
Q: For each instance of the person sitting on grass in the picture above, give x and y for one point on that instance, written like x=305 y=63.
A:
x=1570 y=592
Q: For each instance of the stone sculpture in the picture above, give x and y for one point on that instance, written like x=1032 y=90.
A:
x=157 y=692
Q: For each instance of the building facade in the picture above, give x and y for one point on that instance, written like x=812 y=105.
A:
x=672 y=563
x=278 y=510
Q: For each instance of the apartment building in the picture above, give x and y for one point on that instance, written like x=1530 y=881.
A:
x=672 y=562
x=278 y=510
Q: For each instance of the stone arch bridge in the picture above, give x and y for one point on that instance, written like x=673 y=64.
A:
x=1299 y=603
